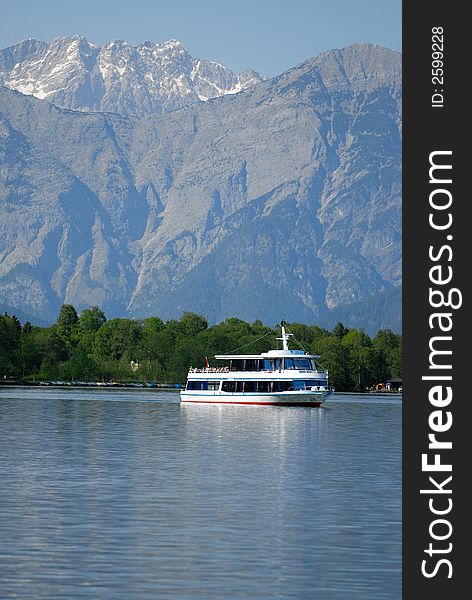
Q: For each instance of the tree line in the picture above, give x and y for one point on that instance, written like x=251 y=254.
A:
x=88 y=347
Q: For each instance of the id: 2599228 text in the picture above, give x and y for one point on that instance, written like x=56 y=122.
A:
x=437 y=66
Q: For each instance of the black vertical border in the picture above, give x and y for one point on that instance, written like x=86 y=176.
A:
x=427 y=129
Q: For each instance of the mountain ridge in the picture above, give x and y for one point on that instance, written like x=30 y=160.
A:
x=289 y=190
x=149 y=78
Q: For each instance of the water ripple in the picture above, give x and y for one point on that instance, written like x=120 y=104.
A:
x=128 y=494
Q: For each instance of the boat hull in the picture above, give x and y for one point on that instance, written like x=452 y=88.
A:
x=280 y=399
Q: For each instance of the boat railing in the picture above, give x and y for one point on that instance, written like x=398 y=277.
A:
x=209 y=370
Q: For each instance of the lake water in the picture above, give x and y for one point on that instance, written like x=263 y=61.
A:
x=114 y=494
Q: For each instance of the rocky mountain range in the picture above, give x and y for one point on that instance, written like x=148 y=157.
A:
x=132 y=80
x=280 y=201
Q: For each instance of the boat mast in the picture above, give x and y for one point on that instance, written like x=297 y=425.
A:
x=285 y=336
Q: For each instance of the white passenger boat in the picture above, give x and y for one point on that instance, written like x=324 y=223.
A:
x=278 y=377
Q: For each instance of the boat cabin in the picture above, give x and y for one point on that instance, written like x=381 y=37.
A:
x=270 y=361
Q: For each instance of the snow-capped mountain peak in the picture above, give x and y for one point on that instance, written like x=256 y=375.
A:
x=117 y=77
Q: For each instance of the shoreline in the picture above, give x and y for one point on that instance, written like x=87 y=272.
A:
x=156 y=387
x=92 y=385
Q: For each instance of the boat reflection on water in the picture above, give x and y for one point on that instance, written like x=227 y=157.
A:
x=273 y=427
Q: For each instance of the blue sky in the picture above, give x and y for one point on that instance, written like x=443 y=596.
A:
x=269 y=36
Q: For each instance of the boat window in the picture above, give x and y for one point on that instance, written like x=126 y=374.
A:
x=263 y=386
x=213 y=385
x=267 y=364
x=302 y=384
x=284 y=386
x=252 y=365
x=278 y=364
x=303 y=363
x=249 y=386
x=229 y=386
x=197 y=385
x=289 y=363
x=315 y=382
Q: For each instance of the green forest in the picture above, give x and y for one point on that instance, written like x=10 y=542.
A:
x=88 y=347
